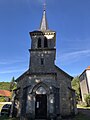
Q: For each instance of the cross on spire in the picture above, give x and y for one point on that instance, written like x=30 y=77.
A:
x=44 y=5
x=44 y=24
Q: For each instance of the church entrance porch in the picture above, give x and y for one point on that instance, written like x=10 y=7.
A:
x=41 y=106
x=42 y=103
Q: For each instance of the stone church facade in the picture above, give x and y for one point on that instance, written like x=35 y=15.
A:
x=44 y=91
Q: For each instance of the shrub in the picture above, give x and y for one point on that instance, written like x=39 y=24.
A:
x=76 y=86
x=87 y=99
x=2 y=99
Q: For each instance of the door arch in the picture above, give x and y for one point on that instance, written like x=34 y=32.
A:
x=41 y=103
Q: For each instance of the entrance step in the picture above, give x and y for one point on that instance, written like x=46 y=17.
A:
x=40 y=119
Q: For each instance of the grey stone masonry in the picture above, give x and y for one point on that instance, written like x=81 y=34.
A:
x=44 y=91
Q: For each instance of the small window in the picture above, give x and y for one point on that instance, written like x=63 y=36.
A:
x=42 y=61
x=45 y=42
x=39 y=42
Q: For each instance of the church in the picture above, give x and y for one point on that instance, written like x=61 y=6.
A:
x=44 y=91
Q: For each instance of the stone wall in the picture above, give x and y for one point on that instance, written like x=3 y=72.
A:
x=35 y=61
x=59 y=81
x=65 y=83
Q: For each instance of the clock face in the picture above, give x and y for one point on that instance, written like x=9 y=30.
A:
x=40 y=90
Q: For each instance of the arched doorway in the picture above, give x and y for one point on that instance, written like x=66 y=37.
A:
x=41 y=103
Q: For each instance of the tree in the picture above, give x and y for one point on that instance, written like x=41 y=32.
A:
x=2 y=99
x=76 y=87
x=4 y=85
x=87 y=99
x=13 y=84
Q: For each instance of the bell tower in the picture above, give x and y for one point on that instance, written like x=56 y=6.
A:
x=43 y=51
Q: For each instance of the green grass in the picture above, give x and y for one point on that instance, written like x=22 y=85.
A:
x=1 y=106
x=81 y=106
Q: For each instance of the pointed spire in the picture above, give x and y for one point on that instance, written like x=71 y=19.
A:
x=44 y=24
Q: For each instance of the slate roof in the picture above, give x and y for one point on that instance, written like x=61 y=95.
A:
x=88 y=68
x=44 y=24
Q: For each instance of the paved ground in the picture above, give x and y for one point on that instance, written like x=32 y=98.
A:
x=84 y=111
x=81 y=112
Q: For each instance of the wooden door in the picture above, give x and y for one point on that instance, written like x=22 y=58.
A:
x=41 y=106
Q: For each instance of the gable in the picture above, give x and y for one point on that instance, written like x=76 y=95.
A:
x=22 y=76
x=5 y=93
x=63 y=73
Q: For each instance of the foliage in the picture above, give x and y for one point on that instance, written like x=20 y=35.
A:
x=2 y=99
x=76 y=87
x=83 y=106
x=87 y=99
x=1 y=105
x=4 y=85
x=8 y=85
x=13 y=84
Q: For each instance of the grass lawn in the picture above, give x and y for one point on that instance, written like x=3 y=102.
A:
x=80 y=106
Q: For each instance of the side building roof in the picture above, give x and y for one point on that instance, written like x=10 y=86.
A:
x=88 y=68
x=5 y=93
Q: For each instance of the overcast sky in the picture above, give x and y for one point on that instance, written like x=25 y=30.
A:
x=69 y=18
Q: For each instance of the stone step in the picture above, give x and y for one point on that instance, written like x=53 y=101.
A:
x=40 y=119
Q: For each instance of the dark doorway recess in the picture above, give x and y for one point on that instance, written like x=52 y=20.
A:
x=45 y=42
x=41 y=106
